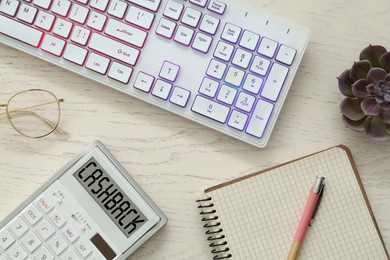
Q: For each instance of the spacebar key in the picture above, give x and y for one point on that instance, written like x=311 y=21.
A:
x=210 y=109
x=20 y=31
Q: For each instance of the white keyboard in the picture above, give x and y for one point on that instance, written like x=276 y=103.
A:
x=220 y=63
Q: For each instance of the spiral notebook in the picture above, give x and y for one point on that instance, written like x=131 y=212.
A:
x=255 y=216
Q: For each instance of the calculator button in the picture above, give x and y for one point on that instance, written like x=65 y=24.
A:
x=44 y=254
x=6 y=239
x=70 y=255
x=31 y=242
x=32 y=215
x=44 y=204
x=17 y=252
x=45 y=230
x=58 y=219
x=83 y=249
x=58 y=244
x=71 y=234
x=18 y=227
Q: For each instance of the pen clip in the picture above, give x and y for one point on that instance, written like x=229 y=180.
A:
x=318 y=203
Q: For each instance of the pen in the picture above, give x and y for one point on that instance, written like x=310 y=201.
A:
x=307 y=216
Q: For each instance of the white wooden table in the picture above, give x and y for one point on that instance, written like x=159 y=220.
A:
x=174 y=159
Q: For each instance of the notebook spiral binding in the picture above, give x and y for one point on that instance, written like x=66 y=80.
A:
x=214 y=230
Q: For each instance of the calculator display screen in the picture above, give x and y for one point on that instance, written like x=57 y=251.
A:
x=110 y=197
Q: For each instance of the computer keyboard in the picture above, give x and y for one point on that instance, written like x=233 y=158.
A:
x=221 y=63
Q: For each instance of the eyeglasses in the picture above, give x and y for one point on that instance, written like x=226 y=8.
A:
x=34 y=113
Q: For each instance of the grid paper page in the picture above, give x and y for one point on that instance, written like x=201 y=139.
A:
x=259 y=215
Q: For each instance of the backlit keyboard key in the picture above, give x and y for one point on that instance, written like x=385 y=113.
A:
x=75 y=54
x=245 y=102
x=275 y=82
x=166 y=28
x=180 y=96
x=20 y=31
x=173 y=10
x=249 y=40
x=202 y=42
x=162 y=89
x=43 y=3
x=259 y=118
x=191 y=17
x=252 y=83
x=97 y=63
x=209 y=87
x=9 y=7
x=234 y=76
x=267 y=47
x=223 y=51
x=286 y=54
x=53 y=45
x=201 y=3
x=216 y=7
x=227 y=95
x=79 y=14
x=152 y=5
x=216 y=69
x=61 y=7
x=117 y=8
x=242 y=58
x=120 y=72
x=44 y=21
x=80 y=35
x=96 y=21
x=100 y=5
x=184 y=35
x=210 y=109
x=169 y=71
x=144 y=82
x=126 y=33
x=260 y=65
x=114 y=49
x=62 y=28
x=209 y=24
x=237 y=120
x=231 y=33
x=27 y=13
x=140 y=17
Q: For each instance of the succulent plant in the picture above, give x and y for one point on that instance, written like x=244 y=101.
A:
x=366 y=86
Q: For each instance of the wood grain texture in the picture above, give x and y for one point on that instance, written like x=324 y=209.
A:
x=174 y=159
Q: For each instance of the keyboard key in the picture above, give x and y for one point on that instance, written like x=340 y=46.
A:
x=202 y=42
x=209 y=24
x=18 y=227
x=227 y=94
x=201 y=3
x=32 y=215
x=84 y=249
x=169 y=71
x=140 y=17
x=120 y=72
x=259 y=118
x=58 y=244
x=237 y=120
x=267 y=47
x=61 y=7
x=96 y=21
x=223 y=51
x=20 y=31
x=242 y=58
x=151 y=5
x=184 y=35
x=249 y=40
x=53 y=45
x=166 y=28
x=210 y=109
x=209 y=87
x=234 y=76
x=173 y=10
x=231 y=33
x=75 y=54
x=180 y=96
x=17 y=252
x=44 y=21
x=144 y=82
x=27 y=13
x=260 y=65
x=191 y=17
x=114 y=49
x=80 y=35
x=216 y=69
x=162 y=89
x=245 y=102
x=100 y=5
x=45 y=230
x=62 y=28
x=286 y=54
x=45 y=4
x=6 y=239
x=252 y=84
x=117 y=8
x=97 y=63
x=31 y=242
x=126 y=33
x=216 y=7
x=44 y=254
x=9 y=7
x=275 y=82
x=79 y=14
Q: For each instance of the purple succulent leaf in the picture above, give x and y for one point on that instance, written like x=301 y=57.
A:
x=385 y=115
x=359 y=70
x=376 y=74
x=358 y=126
x=385 y=106
x=370 y=107
x=384 y=61
x=372 y=53
x=351 y=108
x=372 y=89
x=387 y=79
x=359 y=88
x=377 y=129
x=345 y=84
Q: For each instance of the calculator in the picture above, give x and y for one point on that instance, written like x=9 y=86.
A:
x=90 y=209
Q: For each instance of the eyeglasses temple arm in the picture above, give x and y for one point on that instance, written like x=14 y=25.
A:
x=38 y=105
